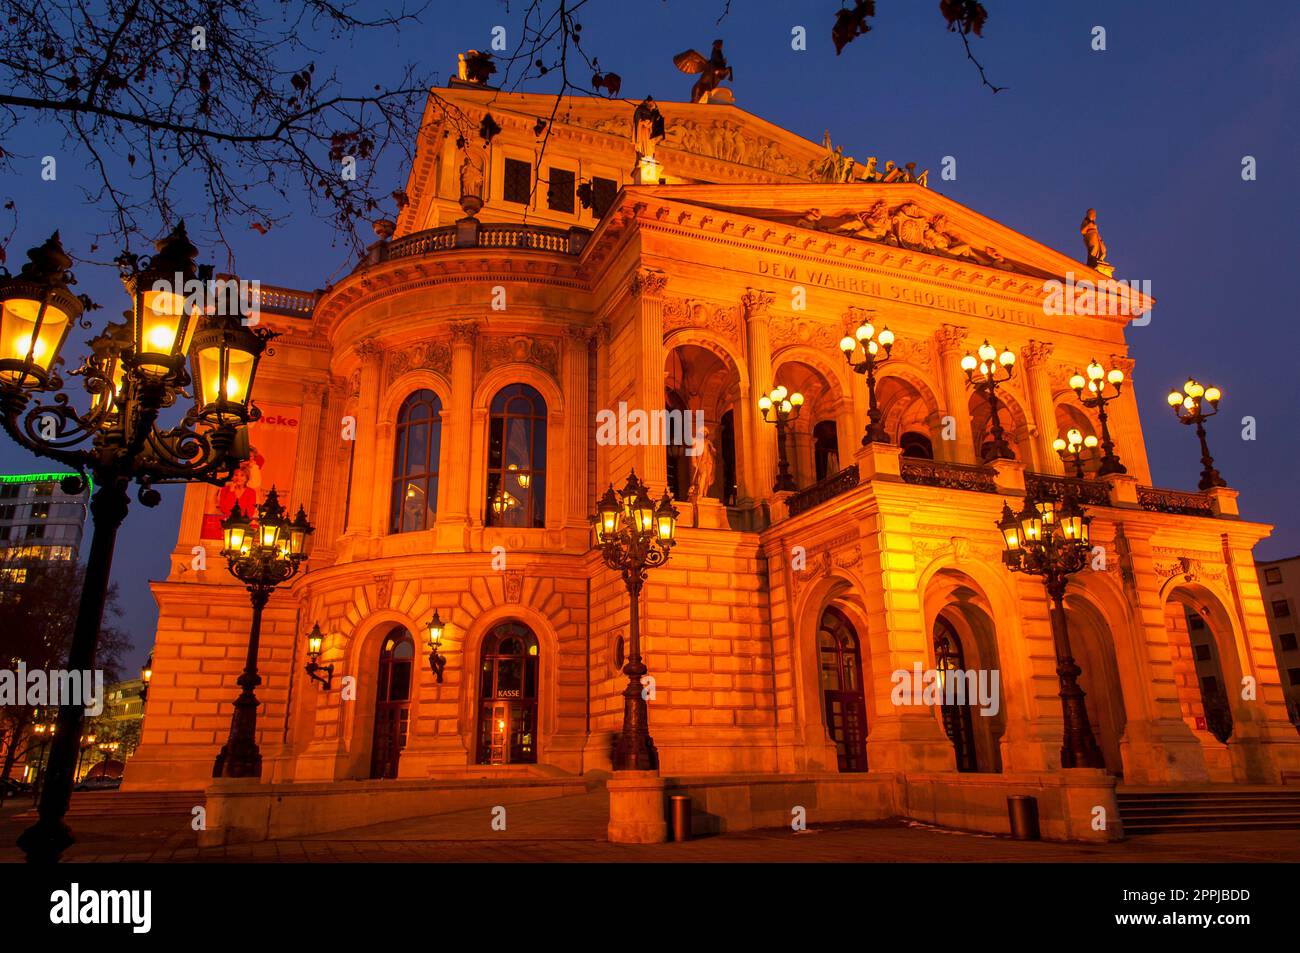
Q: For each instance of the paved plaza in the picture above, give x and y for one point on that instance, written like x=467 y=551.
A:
x=572 y=829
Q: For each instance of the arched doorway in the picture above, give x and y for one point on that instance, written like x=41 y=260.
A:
x=950 y=661
x=1093 y=647
x=392 y=702
x=1204 y=661
x=841 y=681
x=507 y=720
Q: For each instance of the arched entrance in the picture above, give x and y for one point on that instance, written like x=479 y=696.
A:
x=1205 y=662
x=1093 y=647
x=841 y=681
x=507 y=719
x=950 y=661
x=392 y=702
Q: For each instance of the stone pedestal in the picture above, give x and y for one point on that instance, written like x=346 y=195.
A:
x=636 y=808
x=1223 y=501
x=709 y=514
x=1010 y=475
x=878 y=461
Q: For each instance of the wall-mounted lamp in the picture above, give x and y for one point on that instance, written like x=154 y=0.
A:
x=314 y=643
x=433 y=630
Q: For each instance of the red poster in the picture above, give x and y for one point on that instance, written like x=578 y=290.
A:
x=273 y=440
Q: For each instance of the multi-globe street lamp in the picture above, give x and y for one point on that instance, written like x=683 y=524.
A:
x=1096 y=384
x=262 y=554
x=1190 y=407
x=871 y=345
x=136 y=369
x=1051 y=540
x=1071 y=447
x=781 y=407
x=634 y=536
x=982 y=373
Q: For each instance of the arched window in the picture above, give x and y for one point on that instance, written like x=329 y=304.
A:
x=914 y=444
x=516 y=481
x=418 y=440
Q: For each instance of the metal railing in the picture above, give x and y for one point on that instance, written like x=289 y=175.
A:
x=820 y=492
x=1086 y=492
x=953 y=476
x=1178 y=502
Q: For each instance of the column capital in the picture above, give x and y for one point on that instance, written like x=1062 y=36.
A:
x=600 y=333
x=756 y=302
x=1125 y=364
x=647 y=282
x=1036 y=353
x=579 y=335
x=369 y=350
x=315 y=390
x=951 y=338
x=463 y=333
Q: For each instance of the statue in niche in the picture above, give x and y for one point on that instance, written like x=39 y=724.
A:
x=473 y=164
x=712 y=71
x=1092 y=242
x=647 y=128
x=704 y=463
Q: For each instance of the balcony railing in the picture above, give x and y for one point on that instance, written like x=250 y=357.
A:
x=1086 y=492
x=475 y=234
x=1178 y=502
x=822 y=491
x=953 y=476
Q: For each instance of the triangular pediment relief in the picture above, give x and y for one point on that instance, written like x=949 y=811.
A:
x=915 y=220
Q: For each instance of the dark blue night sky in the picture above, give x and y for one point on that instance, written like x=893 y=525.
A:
x=1151 y=132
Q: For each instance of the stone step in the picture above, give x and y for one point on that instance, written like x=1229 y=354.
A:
x=1151 y=812
x=128 y=803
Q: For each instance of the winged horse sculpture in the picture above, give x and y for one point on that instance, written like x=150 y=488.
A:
x=712 y=70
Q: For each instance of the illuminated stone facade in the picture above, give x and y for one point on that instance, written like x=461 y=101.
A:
x=688 y=294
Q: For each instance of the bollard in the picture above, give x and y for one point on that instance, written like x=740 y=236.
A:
x=681 y=817
x=1023 y=811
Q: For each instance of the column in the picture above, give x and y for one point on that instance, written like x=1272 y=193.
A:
x=456 y=452
x=1126 y=427
x=647 y=290
x=952 y=341
x=600 y=350
x=1038 y=384
x=760 y=460
x=577 y=367
x=371 y=354
x=303 y=492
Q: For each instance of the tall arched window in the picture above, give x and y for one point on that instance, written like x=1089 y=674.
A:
x=516 y=481
x=418 y=440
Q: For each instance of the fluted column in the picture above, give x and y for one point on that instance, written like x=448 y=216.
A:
x=600 y=341
x=647 y=294
x=328 y=497
x=464 y=334
x=364 y=471
x=952 y=341
x=577 y=368
x=1038 y=383
x=303 y=491
x=762 y=454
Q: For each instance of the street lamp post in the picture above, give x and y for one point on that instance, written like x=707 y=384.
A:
x=781 y=408
x=871 y=345
x=1052 y=540
x=986 y=382
x=1095 y=383
x=135 y=369
x=634 y=536
x=1071 y=447
x=261 y=555
x=1190 y=408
